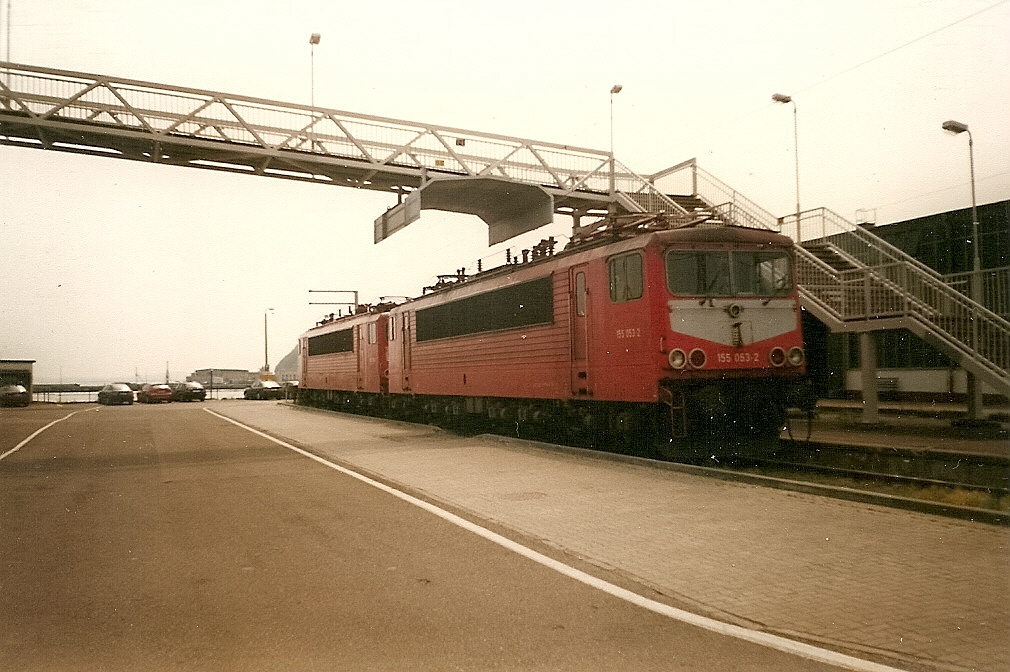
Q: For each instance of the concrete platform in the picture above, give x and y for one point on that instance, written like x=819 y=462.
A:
x=901 y=588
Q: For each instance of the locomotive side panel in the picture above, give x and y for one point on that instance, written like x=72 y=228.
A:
x=530 y=361
x=624 y=339
x=348 y=355
x=372 y=356
x=330 y=361
x=697 y=330
x=399 y=331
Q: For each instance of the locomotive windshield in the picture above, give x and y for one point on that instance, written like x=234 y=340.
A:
x=728 y=273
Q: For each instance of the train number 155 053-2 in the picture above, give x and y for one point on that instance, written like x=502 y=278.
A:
x=738 y=358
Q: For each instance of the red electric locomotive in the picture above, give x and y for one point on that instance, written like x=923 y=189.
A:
x=344 y=359
x=683 y=332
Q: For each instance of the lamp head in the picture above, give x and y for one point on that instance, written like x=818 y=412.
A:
x=616 y=88
x=314 y=38
x=954 y=127
x=781 y=98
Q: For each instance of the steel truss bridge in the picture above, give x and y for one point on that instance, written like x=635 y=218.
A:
x=849 y=278
x=515 y=185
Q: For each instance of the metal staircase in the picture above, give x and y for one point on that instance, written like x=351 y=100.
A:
x=854 y=281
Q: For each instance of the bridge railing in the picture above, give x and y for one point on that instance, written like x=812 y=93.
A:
x=731 y=206
x=173 y=113
x=295 y=140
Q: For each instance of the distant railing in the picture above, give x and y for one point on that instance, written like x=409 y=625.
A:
x=823 y=225
x=65 y=397
x=645 y=193
x=994 y=287
x=688 y=178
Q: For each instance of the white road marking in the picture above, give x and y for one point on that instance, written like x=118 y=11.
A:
x=36 y=433
x=754 y=636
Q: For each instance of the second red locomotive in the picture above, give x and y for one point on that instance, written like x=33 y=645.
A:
x=682 y=333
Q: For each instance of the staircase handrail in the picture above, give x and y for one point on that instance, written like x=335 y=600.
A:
x=993 y=286
x=834 y=228
x=722 y=198
x=714 y=191
x=733 y=213
x=629 y=182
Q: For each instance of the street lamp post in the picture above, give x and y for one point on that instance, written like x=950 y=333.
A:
x=313 y=41
x=973 y=388
x=782 y=98
x=266 y=342
x=614 y=90
x=957 y=127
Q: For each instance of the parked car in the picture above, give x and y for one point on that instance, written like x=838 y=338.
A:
x=15 y=395
x=264 y=389
x=188 y=392
x=154 y=393
x=115 y=393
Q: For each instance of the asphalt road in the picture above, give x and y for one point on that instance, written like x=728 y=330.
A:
x=166 y=538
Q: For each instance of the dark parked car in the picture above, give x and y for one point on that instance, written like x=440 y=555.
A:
x=188 y=392
x=115 y=393
x=154 y=393
x=264 y=389
x=15 y=395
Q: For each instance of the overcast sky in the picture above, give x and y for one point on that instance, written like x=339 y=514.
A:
x=113 y=268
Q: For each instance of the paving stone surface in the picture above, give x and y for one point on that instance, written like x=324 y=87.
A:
x=913 y=589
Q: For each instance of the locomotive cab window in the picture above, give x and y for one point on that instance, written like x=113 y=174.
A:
x=728 y=273
x=626 y=280
x=698 y=273
x=762 y=273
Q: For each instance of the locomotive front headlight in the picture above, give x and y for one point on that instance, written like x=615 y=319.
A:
x=698 y=358
x=777 y=357
x=677 y=358
x=796 y=356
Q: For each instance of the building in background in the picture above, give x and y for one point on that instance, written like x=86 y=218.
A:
x=17 y=372
x=222 y=377
x=285 y=372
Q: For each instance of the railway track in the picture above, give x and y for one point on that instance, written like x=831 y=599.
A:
x=952 y=484
x=975 y=487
